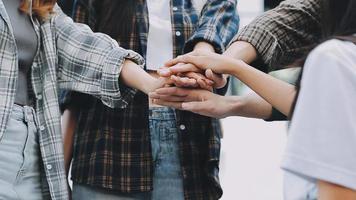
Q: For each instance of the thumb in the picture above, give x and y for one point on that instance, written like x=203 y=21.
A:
x=218 y=79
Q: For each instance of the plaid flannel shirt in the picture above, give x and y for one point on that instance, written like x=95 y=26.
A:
x=115 y=151
x=69 y=56
x=283 y=34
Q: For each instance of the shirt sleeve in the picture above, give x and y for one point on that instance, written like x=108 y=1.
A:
x=322 y=136
x=218 y=24
x=282 y=35
x=91 y=62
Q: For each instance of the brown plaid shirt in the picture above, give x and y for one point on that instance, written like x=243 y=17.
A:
x=112 y=146
x=282 y=35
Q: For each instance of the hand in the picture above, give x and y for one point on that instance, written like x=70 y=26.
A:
x=156 y=83
x=188 y=79
x=209 y=81
x=198 y=101
x=203 y=60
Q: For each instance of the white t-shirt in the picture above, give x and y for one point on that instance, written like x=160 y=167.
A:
x=160 y=38
x=322 y=136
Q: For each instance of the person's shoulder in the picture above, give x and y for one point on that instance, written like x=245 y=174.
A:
x=334 y=49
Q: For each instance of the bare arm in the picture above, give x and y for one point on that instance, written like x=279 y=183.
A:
x=209 y=104
x=135 y=77
x=329 y=191
x=276 y=92
x=243 y=51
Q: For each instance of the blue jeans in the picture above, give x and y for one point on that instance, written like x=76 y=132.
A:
x=167 y=180
x=20 y=157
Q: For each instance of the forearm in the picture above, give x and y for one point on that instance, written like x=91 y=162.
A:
x=328 y=191
x=242 y=51
x=250 y=105
x=69 y=122
x=135 y=77
x=279 y=94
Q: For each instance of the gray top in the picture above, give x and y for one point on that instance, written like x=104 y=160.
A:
x=26 y=42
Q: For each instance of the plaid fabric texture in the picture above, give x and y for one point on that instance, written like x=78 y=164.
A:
x=282 y=35
x=114 y=152
x=72 y=57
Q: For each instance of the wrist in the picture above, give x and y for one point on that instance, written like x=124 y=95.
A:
x=149 y=85
x=235 y=105
x=204 y=46
x=242 y=50
x=238 y=68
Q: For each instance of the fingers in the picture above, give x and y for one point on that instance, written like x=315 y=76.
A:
x=203 y=85
x=184 y=82
x=173 y=91
x=181 y=59
x=176 y=105
x=201 y=80
x=218 y=79
x=163 y=97
x=183 y=68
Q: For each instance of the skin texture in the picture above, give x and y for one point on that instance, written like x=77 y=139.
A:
x=135 y=77
x=278 y=93
x=329 y=191
x=274 y=91
x=256 y=107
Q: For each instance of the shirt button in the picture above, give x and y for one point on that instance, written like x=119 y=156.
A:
x=182 y=127
x=178 y=33
x=175 y=8
x=42 y=128
x=49 y=167
x=39 y=97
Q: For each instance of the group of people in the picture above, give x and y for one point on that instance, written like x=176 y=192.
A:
x=129 y=92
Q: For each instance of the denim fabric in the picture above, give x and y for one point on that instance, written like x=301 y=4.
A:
x=85 y=192
x=167 y=179
x=20 y=157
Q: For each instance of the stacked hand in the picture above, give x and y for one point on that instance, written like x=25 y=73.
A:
x=192 y=75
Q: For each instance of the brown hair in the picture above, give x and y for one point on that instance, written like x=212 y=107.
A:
x=40 y=8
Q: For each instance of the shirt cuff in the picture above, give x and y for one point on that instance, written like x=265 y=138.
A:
x=114 y=94
x=205 y=34
x=319 y=171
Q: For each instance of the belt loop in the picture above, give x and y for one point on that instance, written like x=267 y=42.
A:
x=26 y=115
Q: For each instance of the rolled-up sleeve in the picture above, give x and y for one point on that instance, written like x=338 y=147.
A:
x=283 y=34
x=218 y=24
x=91 y=62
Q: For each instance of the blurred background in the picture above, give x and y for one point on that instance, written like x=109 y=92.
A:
x=252 y=149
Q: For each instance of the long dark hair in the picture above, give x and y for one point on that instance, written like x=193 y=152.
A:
x=338 y=21
x=116 y=18
x=339 y=18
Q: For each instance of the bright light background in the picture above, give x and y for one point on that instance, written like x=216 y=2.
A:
x=252 y=149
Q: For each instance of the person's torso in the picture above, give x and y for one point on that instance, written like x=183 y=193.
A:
x=43 y=77
x=126 y=131
x=26 y=46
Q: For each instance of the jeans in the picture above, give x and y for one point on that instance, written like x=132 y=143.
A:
x=20 y=157
x=167 y=180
